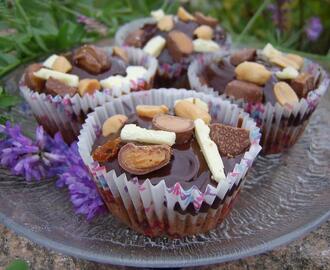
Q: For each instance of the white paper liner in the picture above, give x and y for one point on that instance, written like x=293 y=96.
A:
x=66 y=114
x=164 y=70
x=275 y=121
x=148 y=208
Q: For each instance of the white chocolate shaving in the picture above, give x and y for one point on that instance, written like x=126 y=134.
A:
x=68 y=79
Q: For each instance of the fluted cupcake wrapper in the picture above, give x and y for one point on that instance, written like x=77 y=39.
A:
x=281 y=126
x=168 y=71
x=66 y=114
x=147 y=208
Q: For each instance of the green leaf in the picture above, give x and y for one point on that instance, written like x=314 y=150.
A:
x=18 y=265
x=7 y=101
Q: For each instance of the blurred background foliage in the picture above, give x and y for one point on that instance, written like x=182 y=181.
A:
x=31 y=29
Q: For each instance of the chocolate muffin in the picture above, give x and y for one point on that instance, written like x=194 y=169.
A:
x=64 y=88
x=163 y=168
x=279 y=90
x=175 y=41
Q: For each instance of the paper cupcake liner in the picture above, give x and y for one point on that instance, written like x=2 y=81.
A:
x=280 y=126
x=151 y=209
x=66 y=114
x=166 y=71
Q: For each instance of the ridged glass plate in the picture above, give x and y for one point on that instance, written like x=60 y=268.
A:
x=285 y=197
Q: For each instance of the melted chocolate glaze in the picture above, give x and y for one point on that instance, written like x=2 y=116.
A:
x=187 y=164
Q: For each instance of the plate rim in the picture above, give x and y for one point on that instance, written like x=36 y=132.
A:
x=86 y=255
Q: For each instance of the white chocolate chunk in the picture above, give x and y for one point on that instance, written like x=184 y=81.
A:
x=132 y=132
x=202 y=45
x=155 y=46
x=209 y=150
x=269 y=51
x=113 y=81
x=49 y=62
x=197 y=101
x=287 y=73
x=135 y=72
x=68 y=79
x=157 y=14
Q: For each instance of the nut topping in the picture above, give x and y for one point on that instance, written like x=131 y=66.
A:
x=204 y=32
x=149 y=111
x=92 y=59
x=296 y=58
x=184 y=15
x=208 y=20
x=107 y=151
x=283 y=61
x=141 y=160
x=179 y=44
x=252 y=72
x=62 y=64
x=166 y=23
x=182 y=127
x=186 y=109
x=113 y=124
x=285 y=94
x=88 y=86
x=204 y=46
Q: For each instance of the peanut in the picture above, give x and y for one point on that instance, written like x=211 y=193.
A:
x=204 y=32
x=187 y=109
x=285 y=94
x=252 y=72
x=88 y=86
x=149 y=111
x=113 y=124
x=166 y=23
x=184 y=15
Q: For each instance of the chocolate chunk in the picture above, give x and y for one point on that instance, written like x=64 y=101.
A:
x=231 y=141
x=135 y=39
x=243 y=55
x=143 y=159
x=182 y=127
x=179 y=44
x=303 y=84
x=56 y=87
x=203 y=19
x=32 y=81
x=92 y=59
x=248 y=91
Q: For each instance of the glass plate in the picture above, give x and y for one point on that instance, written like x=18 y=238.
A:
x=285 y=197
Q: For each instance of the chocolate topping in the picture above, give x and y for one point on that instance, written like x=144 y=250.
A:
x=231 y=141
x=243 y=55
x=182 y=127
x=56 y=87
x=186 y=166
x=179 y=44
x=32 y=81
x=303 y=84
x=92 y=59
x=246 y=90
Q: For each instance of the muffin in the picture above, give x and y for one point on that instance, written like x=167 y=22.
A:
x=175 y=41
x=64 y=88
x=169 y=161
x=280 y=91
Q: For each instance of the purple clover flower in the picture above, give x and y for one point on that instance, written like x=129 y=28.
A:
x=47 y=157
x=92 y=25
x=32 y=159
x=83 y=191
x=313 y=28
x=279 y=13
